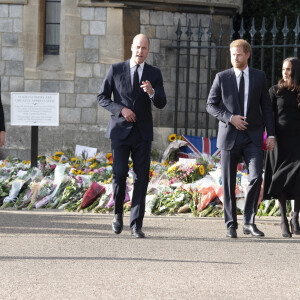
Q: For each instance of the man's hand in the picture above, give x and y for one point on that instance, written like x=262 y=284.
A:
x=270 y=142
x=239 y=122
x=2 y=138
x=147 y=87
x=128 y=114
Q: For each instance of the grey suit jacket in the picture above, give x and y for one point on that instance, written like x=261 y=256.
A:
x=223 y=102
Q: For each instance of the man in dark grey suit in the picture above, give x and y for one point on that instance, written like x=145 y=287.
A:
x=240 y=101
x=135 y=86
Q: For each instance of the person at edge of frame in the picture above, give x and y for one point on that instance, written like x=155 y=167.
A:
x=2 y=122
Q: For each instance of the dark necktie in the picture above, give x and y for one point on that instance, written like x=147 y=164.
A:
x=242 y=93
x=136 y=82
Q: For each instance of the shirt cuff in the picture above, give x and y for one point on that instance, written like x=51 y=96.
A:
x=152 y=96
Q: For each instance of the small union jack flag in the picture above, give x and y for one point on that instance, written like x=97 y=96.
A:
x=198 y=145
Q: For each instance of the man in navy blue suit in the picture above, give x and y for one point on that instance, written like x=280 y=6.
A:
x=2 y=123
x=240 y=101
x=135 y=86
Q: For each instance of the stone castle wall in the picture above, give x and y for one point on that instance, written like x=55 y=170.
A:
x=93 y=36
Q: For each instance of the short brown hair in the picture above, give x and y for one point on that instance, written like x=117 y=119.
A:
x=241 y=43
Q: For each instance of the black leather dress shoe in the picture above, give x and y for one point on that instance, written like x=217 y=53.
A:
x=252 y=229
x=117 y=223
x=231 y=233
x=137 y=233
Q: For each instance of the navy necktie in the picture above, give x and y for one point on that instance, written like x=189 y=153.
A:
x=136 y=82
x=242 y=93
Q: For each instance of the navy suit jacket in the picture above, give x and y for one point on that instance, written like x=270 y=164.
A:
x=118 y=83
x=223 y=102
x=2 y=123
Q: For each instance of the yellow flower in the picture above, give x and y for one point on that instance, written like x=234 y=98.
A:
x=180 y=138
x=166 y=163
x=59 y=153
x=91 y=173
x=56 y=157
x=172 y=137
x=131 y=165
x=28 y=162
x=172 y=168
x=210 y=167
x=93 y=166
x=24 y=162
x=110 y=179
x=108 y=155
x=201 y=170
x=73 y=159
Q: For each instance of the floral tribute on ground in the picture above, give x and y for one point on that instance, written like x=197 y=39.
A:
x=177 y=185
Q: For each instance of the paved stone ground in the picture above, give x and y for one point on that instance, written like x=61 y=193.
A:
x=59 y=255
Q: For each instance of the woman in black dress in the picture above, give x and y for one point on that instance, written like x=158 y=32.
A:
x=282 y=169
x=2 y=123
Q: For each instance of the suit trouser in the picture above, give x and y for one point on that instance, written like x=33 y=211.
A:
x=140 y=151
x=253 y=156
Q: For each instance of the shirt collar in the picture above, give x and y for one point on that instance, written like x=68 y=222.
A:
x=133 y=64
x=239 y=72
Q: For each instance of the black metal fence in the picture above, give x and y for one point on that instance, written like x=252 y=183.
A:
x=200 y=56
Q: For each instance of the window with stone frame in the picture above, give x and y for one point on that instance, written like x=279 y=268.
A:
x=52 y=27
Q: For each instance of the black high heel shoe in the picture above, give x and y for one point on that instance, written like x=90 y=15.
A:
x=295 y=228
x=285 y=229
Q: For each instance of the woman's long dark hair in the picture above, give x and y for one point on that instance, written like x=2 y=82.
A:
x=293 y=83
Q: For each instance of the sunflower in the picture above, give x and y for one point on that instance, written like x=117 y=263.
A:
x=108 y=155
x=166 y=163
x=56 y=157
x=59 y=153
x=73 y=159
x=93 y=166
x=201 y=170
x=172 y=137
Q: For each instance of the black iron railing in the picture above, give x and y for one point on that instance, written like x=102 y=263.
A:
x=268 y=49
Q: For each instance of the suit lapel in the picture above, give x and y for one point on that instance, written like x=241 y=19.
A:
x=127 y=78
x=251 y=86
x=145 y=75
x=235 y=88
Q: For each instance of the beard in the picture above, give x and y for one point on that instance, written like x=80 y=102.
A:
x=239 y=65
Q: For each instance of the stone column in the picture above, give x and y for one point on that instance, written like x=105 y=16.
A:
x=122 y=25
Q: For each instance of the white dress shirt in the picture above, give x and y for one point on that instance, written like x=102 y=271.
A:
x=238 y=74
x=140 y=72
x=132 y=69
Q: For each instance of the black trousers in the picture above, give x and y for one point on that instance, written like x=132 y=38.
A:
x=253 y=156
x=140 y=151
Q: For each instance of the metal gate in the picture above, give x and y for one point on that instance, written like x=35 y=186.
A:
x=268 y=49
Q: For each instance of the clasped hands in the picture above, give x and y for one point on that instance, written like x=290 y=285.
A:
x=239 y=122
x=127 y=113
